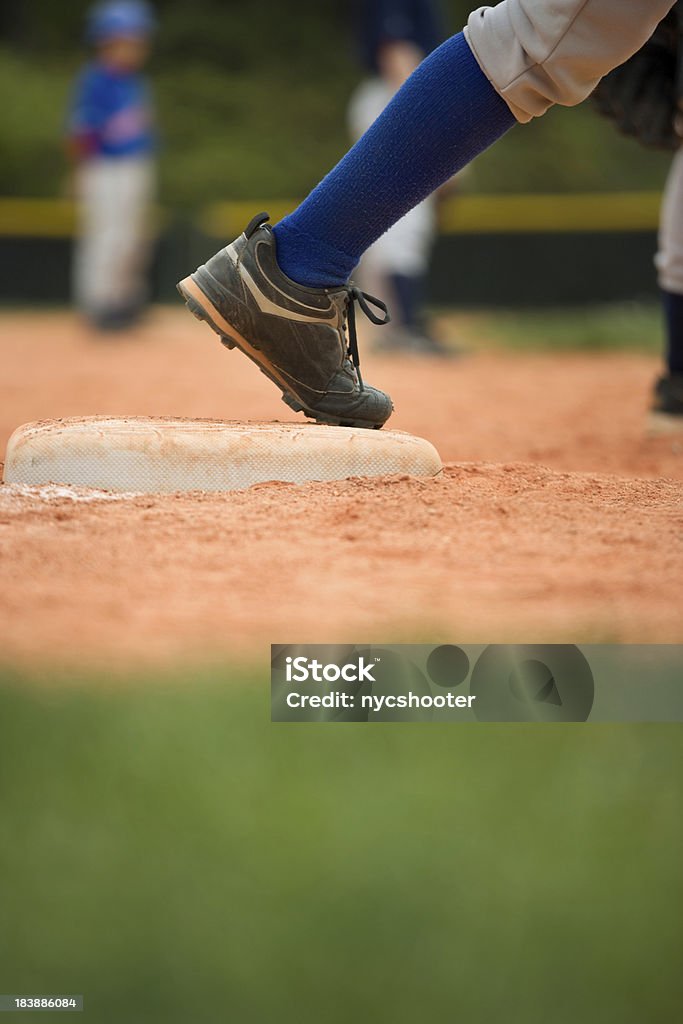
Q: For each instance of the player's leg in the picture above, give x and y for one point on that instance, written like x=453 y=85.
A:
x=399 y=262
x=442 y=117
x=668 y=400
x=86 y=242
x=281 y=295
x=134 y=200
x=289 y=312
x=96 y=240
x=530 y=53
x=118 y=191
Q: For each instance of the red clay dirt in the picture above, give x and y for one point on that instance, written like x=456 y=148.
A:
x=556 y=519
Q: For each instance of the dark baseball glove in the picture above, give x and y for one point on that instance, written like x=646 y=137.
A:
x=643 y=95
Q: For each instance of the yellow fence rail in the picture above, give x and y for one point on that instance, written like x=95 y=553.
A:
x=467 y=214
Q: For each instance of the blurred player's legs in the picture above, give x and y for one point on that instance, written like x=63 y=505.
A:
x=398 y=263
x=113 y=246
x=515 y=61
x=395 y=36
x=668 y=400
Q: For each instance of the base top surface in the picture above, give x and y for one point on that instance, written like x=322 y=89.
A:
x=154 y=454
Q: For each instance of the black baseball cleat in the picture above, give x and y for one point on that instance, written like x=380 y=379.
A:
x=303 y=339
x=666 y=412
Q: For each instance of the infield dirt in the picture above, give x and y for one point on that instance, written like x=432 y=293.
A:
x=556 y=519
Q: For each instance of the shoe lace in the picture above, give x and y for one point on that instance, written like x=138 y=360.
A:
x=365 y=301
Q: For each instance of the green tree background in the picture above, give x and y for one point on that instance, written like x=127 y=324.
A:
x=251 y=98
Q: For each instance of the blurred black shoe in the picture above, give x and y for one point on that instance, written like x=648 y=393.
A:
x=666 y=412
x=408 y=340
x=114 y=321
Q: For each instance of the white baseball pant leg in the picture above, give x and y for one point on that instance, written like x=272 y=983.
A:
x=539 y=52
x=669 y=259
x=113 y=246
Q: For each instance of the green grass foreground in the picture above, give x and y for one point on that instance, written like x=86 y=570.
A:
x=173 y=856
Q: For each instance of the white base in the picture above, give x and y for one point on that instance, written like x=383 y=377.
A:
x=145 y=454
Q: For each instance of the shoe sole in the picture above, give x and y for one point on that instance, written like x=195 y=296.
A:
x=203 y=309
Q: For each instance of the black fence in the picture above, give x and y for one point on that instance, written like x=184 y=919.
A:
x=491 y=251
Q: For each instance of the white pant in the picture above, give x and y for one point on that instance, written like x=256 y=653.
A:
x=539 y=52
x=669 y=259
x=114 y=196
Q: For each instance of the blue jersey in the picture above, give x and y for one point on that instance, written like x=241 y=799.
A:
x=113 y=110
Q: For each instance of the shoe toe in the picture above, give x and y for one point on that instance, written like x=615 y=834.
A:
x=376 y=402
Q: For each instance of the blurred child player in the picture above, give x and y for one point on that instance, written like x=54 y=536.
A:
x=111 y=141
x=395 y=35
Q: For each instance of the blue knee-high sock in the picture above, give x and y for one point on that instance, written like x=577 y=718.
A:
x=443 y=116
x=673 y=312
